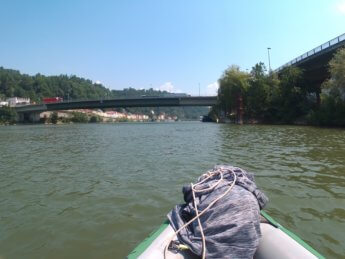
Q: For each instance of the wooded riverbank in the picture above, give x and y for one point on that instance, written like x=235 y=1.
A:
x=284 y=98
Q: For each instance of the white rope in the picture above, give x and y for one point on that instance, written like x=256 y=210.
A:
x=198 y=215
x=199 y=223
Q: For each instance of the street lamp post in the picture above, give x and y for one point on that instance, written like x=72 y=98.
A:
x=269 y=59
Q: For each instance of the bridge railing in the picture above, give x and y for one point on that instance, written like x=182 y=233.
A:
x=312 y=52
x=109 y=98
x=104 y=98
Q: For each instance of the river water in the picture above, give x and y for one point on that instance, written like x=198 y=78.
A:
x=96 y=190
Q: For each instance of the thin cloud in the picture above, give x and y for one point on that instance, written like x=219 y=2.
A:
x=212 y=89
x=169 y=87
x=340 y=7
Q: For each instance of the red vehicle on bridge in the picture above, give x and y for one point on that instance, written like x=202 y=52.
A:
x=52 y=100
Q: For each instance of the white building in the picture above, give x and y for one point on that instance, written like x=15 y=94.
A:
x=3 y=103
x=17 y=101
x=161 y=117
x=114 y=114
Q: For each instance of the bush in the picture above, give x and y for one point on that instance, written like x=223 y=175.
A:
x=8 y=115
x=80 y=117
x=54 y=117
x=95 y=119
x=330 y=113
x=65 y=120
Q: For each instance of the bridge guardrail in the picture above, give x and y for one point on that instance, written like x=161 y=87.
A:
x=107 y=98
x=312 y=52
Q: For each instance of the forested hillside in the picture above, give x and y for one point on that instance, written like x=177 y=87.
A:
x=13 y=83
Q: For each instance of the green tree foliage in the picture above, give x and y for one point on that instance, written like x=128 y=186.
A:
x=232 y=85
x=266 y=97
x=332 y=109
x=54 y=117
x=336 y=84
x=94 y=119
x=13 y=83
x=214 y=113
x=292 y=95
x=257 y=93
x=283 y=97
x=7 y=115
x=330 y=113
x=272 y=104
x=80 y=117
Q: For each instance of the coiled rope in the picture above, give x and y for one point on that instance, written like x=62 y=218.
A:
x=207 y=175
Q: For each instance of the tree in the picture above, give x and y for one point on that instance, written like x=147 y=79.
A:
x=292 y=95
x=7 y=115
x=273 y=98
x=257 y=94
x=94 y=119
x=332 y=109
x=258 y=71
x=232 y=88
x=54 y=117
x=336 y=84
x=80 y=117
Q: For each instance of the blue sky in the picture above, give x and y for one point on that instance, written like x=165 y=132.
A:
x=173 y=45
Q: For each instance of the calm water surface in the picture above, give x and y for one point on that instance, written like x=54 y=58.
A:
x=95 y=191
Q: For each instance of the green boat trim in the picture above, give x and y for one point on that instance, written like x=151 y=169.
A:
x=148 y=241
x=292 y=235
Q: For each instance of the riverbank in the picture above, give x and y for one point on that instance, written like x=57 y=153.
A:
x=8 y=116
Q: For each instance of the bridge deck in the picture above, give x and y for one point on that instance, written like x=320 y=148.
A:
x=121 y=103
x=325 y=48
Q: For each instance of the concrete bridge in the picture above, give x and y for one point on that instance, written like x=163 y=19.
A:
x=314 y=63
x=32 y=112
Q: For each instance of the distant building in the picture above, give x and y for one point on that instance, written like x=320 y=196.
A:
x=114 y=114
x=161 y=117
x=17 y=101
x=3 y=103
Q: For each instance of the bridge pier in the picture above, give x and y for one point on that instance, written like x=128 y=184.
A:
x=20 y=117
x=29 y=117
x=34 y=117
